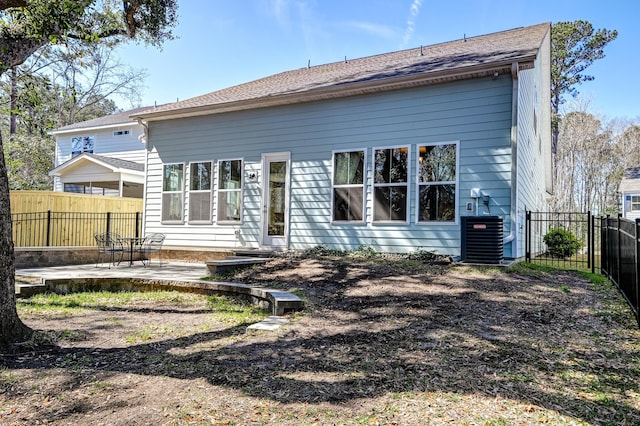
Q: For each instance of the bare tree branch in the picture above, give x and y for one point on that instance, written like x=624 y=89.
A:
x=6 y=4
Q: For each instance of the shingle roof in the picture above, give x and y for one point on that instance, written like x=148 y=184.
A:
x=468 y=55
x=115 y=162
x=630 y=180
x=123 y=117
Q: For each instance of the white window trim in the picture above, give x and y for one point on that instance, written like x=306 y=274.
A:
x=190 y=191
x=631 y=209
x=219 y=191
x=364 y=188
x=181 y=192
x=383 y=185
x=456 y=182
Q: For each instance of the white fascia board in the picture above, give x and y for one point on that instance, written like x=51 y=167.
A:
x=92 y=128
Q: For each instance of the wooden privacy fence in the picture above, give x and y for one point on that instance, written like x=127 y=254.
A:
x=61 y=219
x=620 y=252
x=42 y=201
x=67 y=229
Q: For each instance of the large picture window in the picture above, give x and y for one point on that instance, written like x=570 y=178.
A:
x=390 y=184
x=200 y=179
x=437 y=168
x=230 y=191
x=348 y=185
x=172 y=193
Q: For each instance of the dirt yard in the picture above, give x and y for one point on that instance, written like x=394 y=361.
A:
x=380 y=342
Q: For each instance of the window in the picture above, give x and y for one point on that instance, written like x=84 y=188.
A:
x=437 y=166
x=348 y=185
x=390 y=185
x=230 y=191
x=200 y=192
x=172 y=193
x=635 y=203
x=120 y=132
x=80 y=144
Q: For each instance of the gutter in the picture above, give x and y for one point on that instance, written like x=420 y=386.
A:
x=514 y=159
x=335 y=91
x=144 y=138
x=90 y=129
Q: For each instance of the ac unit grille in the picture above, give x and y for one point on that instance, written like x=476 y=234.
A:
x=482 y=240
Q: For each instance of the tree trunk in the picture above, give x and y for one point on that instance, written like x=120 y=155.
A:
x=13 y=101
x=12 y=329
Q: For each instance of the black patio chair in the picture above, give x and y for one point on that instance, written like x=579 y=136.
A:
x=152 y=243
x=109 y=244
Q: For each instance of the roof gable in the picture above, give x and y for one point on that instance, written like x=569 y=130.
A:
x=630 y=180
x=464 y=58
x=119 y=118
x=112 y=164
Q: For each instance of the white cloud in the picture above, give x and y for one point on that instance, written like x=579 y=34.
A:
x=414 y=11
x=378 y=30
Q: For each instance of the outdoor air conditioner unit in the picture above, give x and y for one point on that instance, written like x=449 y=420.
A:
x=482 y=239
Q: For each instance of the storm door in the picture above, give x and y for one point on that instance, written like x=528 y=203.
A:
x=275 y=200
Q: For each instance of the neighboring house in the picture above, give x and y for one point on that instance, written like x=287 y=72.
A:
x=387 y=151
x=103 y=156
x=630 y=192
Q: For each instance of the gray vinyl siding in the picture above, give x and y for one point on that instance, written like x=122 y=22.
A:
x=475 y=114
x=534 y=144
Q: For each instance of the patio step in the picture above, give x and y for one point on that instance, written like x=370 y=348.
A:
x=28 y=286
x=231 y=263
x=252 y=252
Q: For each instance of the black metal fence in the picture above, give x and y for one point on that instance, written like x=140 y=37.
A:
x=64 y=229
x=620 y=251
x=541 y=225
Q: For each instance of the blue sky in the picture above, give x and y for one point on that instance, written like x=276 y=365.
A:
x=227 y=42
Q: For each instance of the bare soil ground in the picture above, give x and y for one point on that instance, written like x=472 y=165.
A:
x=380 y=342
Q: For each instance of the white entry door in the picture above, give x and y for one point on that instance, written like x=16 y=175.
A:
x=275 y=200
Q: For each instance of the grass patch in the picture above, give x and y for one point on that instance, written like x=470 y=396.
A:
x=68 y=304
x=235 y=310
x=225 y=308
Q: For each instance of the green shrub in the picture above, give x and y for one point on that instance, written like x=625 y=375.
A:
x=561 y=243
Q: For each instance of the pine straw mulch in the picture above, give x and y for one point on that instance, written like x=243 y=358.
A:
x=380 y=342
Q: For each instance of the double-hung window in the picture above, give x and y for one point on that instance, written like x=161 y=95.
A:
x=348 y=186
x=635 y=203
x=172 y=193
x=437 y=170
x=390 y=184
x=80 y=144
x=200 y=179
x=230 y=174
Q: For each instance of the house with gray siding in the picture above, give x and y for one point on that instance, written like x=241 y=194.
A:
x=389 y=151
x=103 y=156
x=629 y=190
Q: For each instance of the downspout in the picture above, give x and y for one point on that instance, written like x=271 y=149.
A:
x=144 y=138
x=514 y=160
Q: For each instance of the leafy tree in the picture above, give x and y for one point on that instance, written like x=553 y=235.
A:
x=29 y=159
x=29 y=25
x=574 y=47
